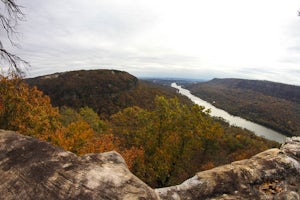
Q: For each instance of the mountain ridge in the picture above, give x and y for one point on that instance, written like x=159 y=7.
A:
x=106 y=91
x=275 y=89
x=271 y=104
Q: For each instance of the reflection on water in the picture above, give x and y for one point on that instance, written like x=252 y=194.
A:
x=233 y=120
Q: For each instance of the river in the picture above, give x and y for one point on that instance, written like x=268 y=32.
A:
x=233 y=120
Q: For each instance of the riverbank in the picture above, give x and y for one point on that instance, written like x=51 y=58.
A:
x=233 y=120
x=270 y=104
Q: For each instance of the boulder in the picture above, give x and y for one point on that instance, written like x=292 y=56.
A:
x=272 y=174
x=31 y=169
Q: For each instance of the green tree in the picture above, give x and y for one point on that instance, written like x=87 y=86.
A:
x=172 y=135
x=92 y=118
x=69 y=115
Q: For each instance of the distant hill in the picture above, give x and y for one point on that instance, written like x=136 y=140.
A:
x=279 y=90
x=275 y=105
x=169 y=81
x=106 y=91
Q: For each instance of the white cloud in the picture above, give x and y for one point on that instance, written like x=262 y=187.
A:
x=190 y=38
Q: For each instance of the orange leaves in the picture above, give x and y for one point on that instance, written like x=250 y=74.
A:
x=75 y=137
x=105 y=142
x=158 y=145
x=109 y=142
x=25 y=109
x=207 y=166
x=84 y=133
x=133 y=156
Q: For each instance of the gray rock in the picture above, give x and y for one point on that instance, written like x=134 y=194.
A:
x=31 y=169
x=272 y=174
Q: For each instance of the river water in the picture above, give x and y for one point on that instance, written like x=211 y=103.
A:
x=233 y=120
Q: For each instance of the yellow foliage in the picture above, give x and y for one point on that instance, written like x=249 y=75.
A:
x=75 y=137
x=24 y=109
x=158 y=145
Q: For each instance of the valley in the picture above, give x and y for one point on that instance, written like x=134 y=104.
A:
x=162 y=135
x=274 y=105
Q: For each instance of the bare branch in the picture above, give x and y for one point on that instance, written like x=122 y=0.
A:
x=13 y=61
x=9 y=20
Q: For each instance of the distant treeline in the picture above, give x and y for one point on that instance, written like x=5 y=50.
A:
x=274 y=105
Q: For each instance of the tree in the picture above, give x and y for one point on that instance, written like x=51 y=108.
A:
x=68 y=115
x=92 y=118
x=86 y=114
x=171 y=135
x=26 y=110
x=10 y=17
x=76 y=137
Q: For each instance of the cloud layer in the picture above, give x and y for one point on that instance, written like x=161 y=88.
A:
x=192 y=38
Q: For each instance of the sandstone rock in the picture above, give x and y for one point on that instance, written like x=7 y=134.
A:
x=31 y=169
x=273 y=174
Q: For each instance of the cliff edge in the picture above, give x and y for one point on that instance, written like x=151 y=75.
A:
x=31 y=169
x=272 y=174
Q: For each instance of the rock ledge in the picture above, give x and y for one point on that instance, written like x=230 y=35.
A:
x=272 y=174
x=31 y=169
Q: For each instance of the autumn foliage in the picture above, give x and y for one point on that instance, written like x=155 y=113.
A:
x=28 y=111
x=179 y=140
x=163 y=145
x=25 y=109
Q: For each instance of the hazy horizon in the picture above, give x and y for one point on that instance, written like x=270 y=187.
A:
x=194 y=39
x=200 y=79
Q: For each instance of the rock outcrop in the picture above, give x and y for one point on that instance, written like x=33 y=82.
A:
x=272 y=174
x=31 y=169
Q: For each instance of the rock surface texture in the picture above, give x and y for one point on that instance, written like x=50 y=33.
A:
x=272 y=174
x=31 y=169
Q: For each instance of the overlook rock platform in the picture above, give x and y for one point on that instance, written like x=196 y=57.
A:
x=31 y=169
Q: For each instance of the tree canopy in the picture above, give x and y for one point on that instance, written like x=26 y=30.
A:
x=163 y=145
x=25 y=109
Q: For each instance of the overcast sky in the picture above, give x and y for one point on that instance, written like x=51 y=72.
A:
x=255 y=39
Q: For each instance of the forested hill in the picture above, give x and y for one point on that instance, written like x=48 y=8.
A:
x=279 y=90
x=106 y=91
x=275 y=105
x=163 y=145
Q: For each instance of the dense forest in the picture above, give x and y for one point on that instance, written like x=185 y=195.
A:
x=274 y=105
x=106 y=91
x=163 y=144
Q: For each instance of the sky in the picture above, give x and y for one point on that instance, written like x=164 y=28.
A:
x=252 y=39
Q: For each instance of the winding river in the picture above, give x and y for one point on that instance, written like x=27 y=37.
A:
x=233 y=120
